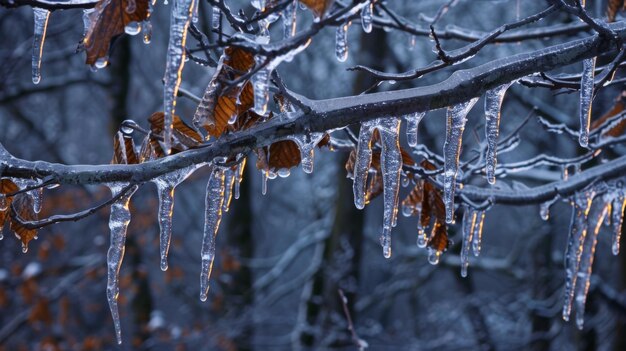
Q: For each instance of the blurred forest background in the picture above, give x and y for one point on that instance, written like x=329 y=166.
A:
x=282 y=257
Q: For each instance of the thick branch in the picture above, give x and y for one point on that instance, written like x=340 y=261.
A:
x=51 y=4
x=336 y=113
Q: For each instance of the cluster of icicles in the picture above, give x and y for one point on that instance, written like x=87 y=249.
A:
x=224 y=181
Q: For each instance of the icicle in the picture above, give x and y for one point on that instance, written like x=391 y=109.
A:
x=165 y=186
x=147 y=31
x=307 y=143
x=573 y=251
x=362 y=163
x=118 y=223
x=213 y=215
x=37 y=196
x=493 y=103
x=544 y=208
x=391 y=165
x=457 y=116
x=264 y=182
x=39 y=37
x=260 y=83
x=469 y=223
x=179 y=23
x=478 y=233
x=341 y=42
x=586 y=265
x=289 y=19
x=586 y=97
x=366 y=17
x=239 y=177
x=229 y=182
x=215 y=17
x=87 y=19
x=617 y=219
x=412 y=123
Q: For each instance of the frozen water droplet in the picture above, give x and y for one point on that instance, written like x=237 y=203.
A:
x=132 y=28
x=147 y=31
x=493 y=104
x=433 y=256
x=101 y=62
x=215 y=17
x=41 y=24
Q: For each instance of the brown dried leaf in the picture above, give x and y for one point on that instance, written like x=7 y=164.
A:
x=108 y=21
x=184 y=137
x=284 y=155
x=612 y=7
x=619 y=128
x=23 y=205
x=6 y=187
x=124 y=150
x=318 y=7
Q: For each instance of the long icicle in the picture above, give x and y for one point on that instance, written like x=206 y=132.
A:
x=586 y=97
x=617 y=218
x=456 y=119
x=391 y=165
x=118 y=223
x=341 y=42
x=493 y=104
x=179 y=23
x=165 y=186
x=573 y=252
x=362 y=163
x=586 y=265
x=478 y=233
x=41 y=24
x=367 y=17
x=213 y=215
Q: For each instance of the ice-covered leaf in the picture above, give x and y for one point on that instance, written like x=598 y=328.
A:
x=221 y=107
x=24 y=208
x=109 y=20
x=124 y=152
x=183 y=136
x=617 y=128
x=318 y=7
x=612 y=7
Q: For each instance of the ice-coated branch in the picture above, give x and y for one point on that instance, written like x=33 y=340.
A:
x=51 y=4
x=332 y=114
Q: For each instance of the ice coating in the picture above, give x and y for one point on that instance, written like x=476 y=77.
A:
x=367 y=17
x=456 y=119
x=260 y=83
x=478 y=233
x=586 y=261
x=341 y=42
x=213 y=215
x=493 y=104
x=412 y=123
x=118 y=223
x=586 y=97
x=289 y=19
x=39 y=37
x=617 y=218
x=175 y=61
